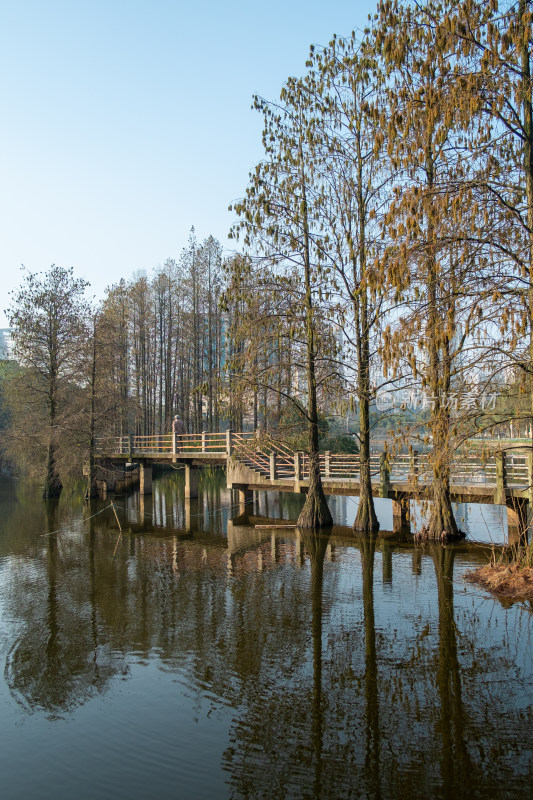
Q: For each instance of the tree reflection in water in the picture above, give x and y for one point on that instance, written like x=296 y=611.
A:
x=457 y=769
x=316 y=543
x=57 y=663
x=360 y=676
x=373 y=745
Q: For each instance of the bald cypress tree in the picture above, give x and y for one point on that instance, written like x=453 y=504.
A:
x=345 y=82
x=277 y=218
x=432 y=222
x=49 y=317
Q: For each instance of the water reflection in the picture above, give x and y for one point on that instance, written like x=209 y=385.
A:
x=456 y=764
x=57 y=663
x=327 y=666
x=372 y=731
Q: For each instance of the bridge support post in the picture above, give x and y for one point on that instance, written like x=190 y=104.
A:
x=244 y=497
x=517 y=522
x=327 y=464
x=191 y=508
x=191 y=481
x=229 y=443
x=272 y=466
x=298 y=473
x=400 y=514
x=145 y=477
x=204 y=441
x=500 y=494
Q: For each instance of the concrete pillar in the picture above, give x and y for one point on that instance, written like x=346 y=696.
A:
x=272 y=466
x=298 y=474
x=145 y=508
x=191 y=481
x=517 y=522
x=145 y=477
x=192 y=514
x=244 y=495
x=400 y=514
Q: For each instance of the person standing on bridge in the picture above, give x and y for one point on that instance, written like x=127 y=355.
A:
x=178 y=429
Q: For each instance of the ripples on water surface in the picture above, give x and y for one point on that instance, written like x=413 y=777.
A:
x=196 y=656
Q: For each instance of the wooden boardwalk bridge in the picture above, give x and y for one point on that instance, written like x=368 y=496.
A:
x=259 y=463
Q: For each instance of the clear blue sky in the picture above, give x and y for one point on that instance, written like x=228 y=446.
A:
x=124 y=122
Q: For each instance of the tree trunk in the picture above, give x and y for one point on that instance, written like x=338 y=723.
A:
x=366 y=519
x=52 y=483
x=315 y=513
x=91 y=472
x=525 y=30
x=441 y=519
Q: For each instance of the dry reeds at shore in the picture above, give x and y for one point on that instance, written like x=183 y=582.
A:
x=510 y=575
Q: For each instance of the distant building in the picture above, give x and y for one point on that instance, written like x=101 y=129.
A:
x=5 y=343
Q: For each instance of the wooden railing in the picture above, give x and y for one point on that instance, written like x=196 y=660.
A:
x=276 y=460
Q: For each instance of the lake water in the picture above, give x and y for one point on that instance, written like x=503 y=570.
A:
x=196 y=655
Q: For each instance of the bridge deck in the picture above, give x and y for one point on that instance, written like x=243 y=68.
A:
x=261 y=463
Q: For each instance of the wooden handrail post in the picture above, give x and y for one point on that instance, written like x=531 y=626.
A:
x=384 y=474
x=500 y=494
x=229 y=442
x=530 y=479
x=413 y=470
x=273 y=465
x=203 y=441
x=298 y=466
x=130 y=443
x=327 y=463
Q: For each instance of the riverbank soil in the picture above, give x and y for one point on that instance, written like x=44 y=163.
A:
x=505 y=580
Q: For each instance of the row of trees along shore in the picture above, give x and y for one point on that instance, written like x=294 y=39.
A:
x=395 y=199
x=386 y=244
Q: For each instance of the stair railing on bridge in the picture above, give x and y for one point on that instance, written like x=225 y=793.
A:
x=275 y=459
